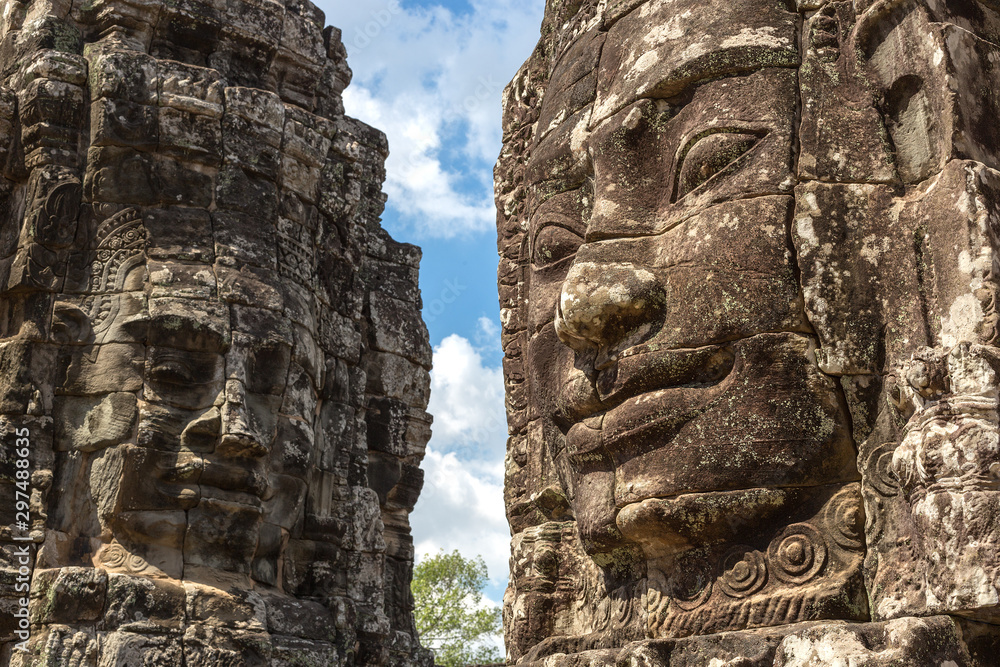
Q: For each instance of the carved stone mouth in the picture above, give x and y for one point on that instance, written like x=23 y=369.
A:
x=647 y=370
x=233 y=478
x=655 y=417
x=227 y=481
x=660 y=391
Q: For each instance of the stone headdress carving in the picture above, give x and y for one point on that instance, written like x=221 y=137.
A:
x=119 y=248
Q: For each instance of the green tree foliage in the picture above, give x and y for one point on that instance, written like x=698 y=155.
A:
x=448 y=609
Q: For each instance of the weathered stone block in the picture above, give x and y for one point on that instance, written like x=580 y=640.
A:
x=747 y=258
x=119 y=649
x=115 y=122
x=399 y=330
x=186 y=345
x=90 y=423
x=68 y=595
x=395 y=377
x=176 y=232
x=143 y=605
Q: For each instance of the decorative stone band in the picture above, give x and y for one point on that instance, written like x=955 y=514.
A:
x=807 y=570
x=938 y=640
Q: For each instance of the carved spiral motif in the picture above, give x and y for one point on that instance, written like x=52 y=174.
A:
x=114 y=556
x=117 y=557
x=136 y=564
x=696 y=596
x=744 y=572
x=878 y=472
x=797 y=554
x=845 y=515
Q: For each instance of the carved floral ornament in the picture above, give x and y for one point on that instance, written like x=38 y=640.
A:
x=749 y=299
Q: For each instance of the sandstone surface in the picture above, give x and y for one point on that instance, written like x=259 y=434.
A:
x=749 y=260
x=214 y=371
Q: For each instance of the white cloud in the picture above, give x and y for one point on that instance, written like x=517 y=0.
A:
x=487 y=333
x=461 y=506
x=467 y=400
x=460 y=509
x=432 y=80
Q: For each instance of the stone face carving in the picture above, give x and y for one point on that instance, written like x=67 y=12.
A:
x=748 y=286
x=216 y=350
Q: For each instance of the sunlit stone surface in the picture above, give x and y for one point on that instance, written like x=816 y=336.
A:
x=748 y=281
x=216 y=350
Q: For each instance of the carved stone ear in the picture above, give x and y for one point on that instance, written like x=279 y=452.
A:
x=70 y=324
x=56 y=216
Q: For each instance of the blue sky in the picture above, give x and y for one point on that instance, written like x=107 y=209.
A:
x=430 y=73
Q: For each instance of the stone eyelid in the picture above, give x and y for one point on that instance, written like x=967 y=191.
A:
x=715 y=151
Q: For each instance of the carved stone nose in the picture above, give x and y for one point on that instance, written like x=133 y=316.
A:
x=202 y=433
x=241 y=435
x=605 y=308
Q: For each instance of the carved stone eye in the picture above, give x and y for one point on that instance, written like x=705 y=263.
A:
x=709 y=155
x=553 y=244
x=171 y=372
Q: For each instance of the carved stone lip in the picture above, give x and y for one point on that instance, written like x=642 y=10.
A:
x=234 y=482
x=638 y=424
x=659 y=391
x=664 y=524
x=650 y=367
x=234 y=478
x=646 y=370
x=656 y=416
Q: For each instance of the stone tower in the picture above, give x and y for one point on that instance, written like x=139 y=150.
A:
x=749 y=282
x=214 y=370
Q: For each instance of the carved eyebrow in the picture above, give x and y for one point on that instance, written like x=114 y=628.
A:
x=186 y=333
x=551 y=213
